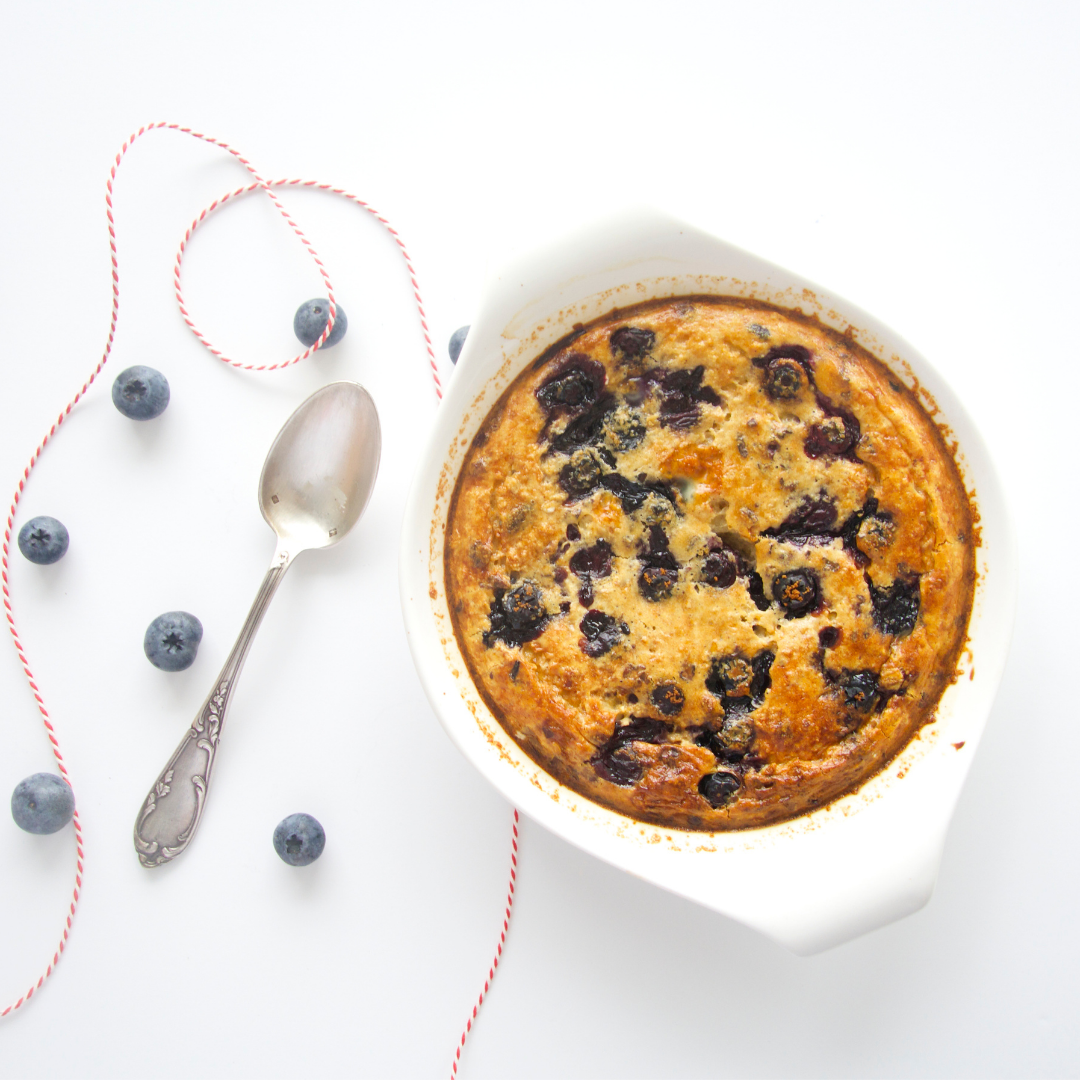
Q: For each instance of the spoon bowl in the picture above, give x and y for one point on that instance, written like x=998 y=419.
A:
x=321 y=468
x=315 y=484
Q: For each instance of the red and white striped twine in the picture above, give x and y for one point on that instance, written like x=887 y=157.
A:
x=267 y=186
x=498 y=948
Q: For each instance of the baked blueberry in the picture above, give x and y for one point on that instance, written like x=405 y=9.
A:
x=601 y=633
x=814 y=517
x=624 y=429
x=731 y=741
x=730 y=677
x=616 y=760
x=594 y=561
x=719 y=569
x=896 y=607
x=43 y=540
x=172 y=640
x=633 y=494
x=657 y=582
x=457 y=340
x=516 y=616
x=681 y=394
x=834 y=436
x=631 y=341
x=523 y=606
x=660 y=573
x=796 y=591
x=299 y=839
x=668 y=698
x=576 y=383
x=799 y=353
x=586 y=429
x=740 y=683
x=756 y=588
x=42 y=803
x=140 y=393
x=784 y=379
x=860 y=689
x=581 y=474
x=719 y=788
x=310 y=321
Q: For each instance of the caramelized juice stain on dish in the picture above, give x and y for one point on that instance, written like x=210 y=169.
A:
x=787 y=571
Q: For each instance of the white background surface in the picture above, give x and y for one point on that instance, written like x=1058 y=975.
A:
x=919 y=160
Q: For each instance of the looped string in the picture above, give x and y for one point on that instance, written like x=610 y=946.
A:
x=258 y=184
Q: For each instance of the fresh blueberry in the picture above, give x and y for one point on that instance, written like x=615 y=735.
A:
x=43 y=540
x=457 y=340
x=42 y=803
x=140 y=393
x=299 y=839
x=310 y=321
x=172 y=640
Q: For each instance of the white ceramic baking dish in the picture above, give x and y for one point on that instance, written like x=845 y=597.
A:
x=811 y=883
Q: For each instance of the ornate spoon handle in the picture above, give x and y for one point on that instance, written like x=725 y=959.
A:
x=172 y=811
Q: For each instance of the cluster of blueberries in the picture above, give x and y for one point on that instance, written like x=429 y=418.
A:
x=44 y=803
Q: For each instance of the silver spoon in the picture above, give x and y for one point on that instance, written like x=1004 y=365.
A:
x=315 y=483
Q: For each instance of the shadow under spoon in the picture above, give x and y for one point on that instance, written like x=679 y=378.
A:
x=315 y=484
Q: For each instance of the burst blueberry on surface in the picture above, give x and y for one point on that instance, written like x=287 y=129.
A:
x=835 y=436
x=42 y=803
x=601 y=633
x=43 y=540
x=576 y=383
x=141 y=393
x=516 y=616
x=896 y=607
x=172 y=640
x=631 y=342
x=310 y=321
x=581 y=474
x=587 y=428
x=668 y=698
x=740 y=682
x=616 y=760
x=731 y=741
x=299 y=839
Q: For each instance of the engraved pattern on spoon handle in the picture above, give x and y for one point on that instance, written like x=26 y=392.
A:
x=173 y=809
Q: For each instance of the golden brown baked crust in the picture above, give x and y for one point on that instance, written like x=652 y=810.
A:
x=710 y=563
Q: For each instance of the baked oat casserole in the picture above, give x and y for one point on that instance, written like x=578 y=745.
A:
x=710 y=563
